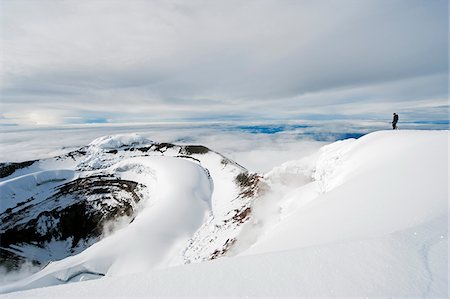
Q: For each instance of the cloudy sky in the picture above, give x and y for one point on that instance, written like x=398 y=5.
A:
x=66 y=62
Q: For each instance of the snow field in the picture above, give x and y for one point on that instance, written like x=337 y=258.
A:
x=365 y=217
x=380 y=267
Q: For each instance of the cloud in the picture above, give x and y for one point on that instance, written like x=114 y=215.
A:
x=177 y=60
x=241 y=143
x=37 y=117
x=259 y=146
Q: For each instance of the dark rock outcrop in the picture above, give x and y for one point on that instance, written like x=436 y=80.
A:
x=78 y=213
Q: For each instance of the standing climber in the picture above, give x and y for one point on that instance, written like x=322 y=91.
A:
x=395 y=121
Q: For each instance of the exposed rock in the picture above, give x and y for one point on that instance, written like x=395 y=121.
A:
x=194 y=149
x=78 y=211
x=8 y=168
x=219 y=234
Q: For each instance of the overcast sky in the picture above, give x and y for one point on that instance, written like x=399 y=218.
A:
x=125 y=61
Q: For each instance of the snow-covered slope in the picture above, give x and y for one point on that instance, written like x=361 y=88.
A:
x=388 y=267
x=379 y=184
x=362 y=217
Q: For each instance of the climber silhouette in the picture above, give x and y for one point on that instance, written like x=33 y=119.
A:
x=395 y=121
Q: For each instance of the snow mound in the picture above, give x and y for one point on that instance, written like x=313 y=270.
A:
x=99 y=150
x=120 y=140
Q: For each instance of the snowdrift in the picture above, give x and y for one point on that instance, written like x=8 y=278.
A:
x=362 y=217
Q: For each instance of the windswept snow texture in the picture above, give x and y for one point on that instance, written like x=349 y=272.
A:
x=361 y=217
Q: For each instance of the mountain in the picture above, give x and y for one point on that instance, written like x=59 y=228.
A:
x=55 y=208
x=361 y=217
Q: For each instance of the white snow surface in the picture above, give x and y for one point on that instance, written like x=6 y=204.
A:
x=363 y=217
x=119 y=140
x=379 y=184
x=24 y=184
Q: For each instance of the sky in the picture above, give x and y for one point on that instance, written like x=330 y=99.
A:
x=75 y=62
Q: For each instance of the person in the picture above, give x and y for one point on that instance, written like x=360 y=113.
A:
x=395 y=121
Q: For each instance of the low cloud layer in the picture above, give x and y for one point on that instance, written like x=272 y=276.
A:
x=259 y=146
x=122 y=61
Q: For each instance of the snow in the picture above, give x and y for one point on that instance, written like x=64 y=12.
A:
x=380 y=267
x=119 y=140
x=361 y=217
x=369 y=187
x=20 y=188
